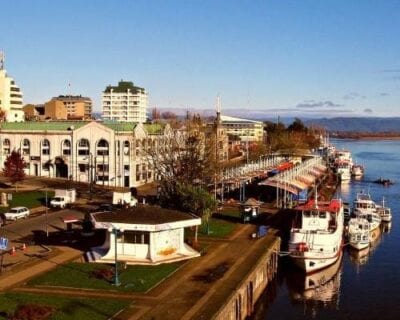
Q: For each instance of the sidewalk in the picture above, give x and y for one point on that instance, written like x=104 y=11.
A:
x=14 y=278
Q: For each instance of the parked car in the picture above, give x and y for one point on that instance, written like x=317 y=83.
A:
x=17 y=213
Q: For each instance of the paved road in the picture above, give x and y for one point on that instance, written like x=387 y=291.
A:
x=37 y=222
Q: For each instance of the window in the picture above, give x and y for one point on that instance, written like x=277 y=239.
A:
x=26 y=147
x=83 y=167
x=46 y=147
x=126 y=169
x=138 y=237
x=126 y=148
x=83 y=147
x=66 y=147
x=6 y=146
x=102 y=148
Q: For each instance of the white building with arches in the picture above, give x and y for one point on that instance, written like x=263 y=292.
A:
x=106 y=153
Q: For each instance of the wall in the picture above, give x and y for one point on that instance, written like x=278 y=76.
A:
x=240 y=303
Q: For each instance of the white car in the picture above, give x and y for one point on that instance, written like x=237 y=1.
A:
x=58 y=202
x=17 y=213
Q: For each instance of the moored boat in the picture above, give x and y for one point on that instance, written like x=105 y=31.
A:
x=363 y=204
x=317 y=234
x=358 y=233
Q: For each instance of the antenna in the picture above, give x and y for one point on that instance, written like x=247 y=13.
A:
x=218 y=104
x=69 y=88
x=2 y=58
x=316 y=198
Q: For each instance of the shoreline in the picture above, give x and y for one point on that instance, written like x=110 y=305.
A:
x=369 y=138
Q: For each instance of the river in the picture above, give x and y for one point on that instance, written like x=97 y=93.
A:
x=363 y=286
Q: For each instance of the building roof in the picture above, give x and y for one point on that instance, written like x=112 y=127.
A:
x=154 y=128
x=237 y=120
x=71 y=98
x=123 y=86
x=149 y=215
x=120 y=126
x=42 y=125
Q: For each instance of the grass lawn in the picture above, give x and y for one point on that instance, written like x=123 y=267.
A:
x=217 y=228
x=65 y=308
x=80 y=275
x=29 y=199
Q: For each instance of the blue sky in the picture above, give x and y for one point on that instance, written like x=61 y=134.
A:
x=282 y=57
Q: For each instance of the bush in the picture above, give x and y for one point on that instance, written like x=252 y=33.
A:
x=32 y=312
x=103 y=274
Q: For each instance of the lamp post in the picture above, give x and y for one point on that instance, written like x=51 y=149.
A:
x=116 y=232
x=47 y=222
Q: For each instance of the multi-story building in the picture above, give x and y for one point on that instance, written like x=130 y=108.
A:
x=110 y=154
x=76 y=106
x=60 y=108
x=10 y=96
x=124 y=103
x=246 y=130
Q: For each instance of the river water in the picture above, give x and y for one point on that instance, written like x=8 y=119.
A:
x=363 y=285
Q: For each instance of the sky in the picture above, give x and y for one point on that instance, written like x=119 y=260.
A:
x=298 y=58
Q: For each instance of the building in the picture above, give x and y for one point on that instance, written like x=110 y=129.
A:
x=124 y=102
x=108 y=153
x=10 y=96
x=61 y=108
x=77 y=107
x=246 y=130
x=143 y=235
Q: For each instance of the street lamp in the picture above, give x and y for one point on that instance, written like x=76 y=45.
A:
x=47 y=222
x=116 y=232
x=90 y=173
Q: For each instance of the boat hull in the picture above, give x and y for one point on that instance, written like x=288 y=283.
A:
x=311 y=263
x=359 y=245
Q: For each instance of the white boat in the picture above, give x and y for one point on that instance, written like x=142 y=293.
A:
x=358 y=233
x=343 y=169
x=317 y=234
x=363 y=204
x=357 y=170
x=343 y=155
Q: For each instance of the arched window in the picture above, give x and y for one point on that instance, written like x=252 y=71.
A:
x=66 y=148
x=46 y=147
x=126 y=147
x=83 y=147
x=102 y=148
x=6 y=146
x=26 y=147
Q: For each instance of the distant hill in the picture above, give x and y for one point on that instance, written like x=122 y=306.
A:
x=357 y=124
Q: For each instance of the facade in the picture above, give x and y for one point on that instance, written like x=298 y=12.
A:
x=124 y=103
x=143 y=235
x=110 y=154
x=76 y=106
x=246 y=130
x=61 y=108
x=10 y=96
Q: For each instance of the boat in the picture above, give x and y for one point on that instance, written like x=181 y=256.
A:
x=357 y=170
x=385 y=182
x=343 y=169
x=358 y=233
x=384 y=212
x=363 y=204
x=317 y=234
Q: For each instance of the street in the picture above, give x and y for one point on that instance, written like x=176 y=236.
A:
x=24 y=228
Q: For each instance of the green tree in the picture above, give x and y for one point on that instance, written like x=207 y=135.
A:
x=199 y=201
x=14 y=168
